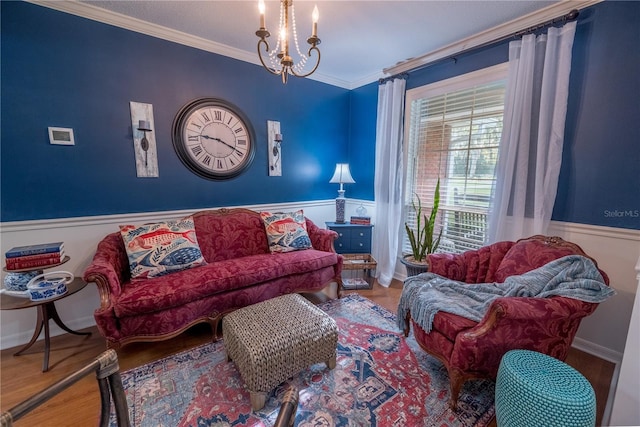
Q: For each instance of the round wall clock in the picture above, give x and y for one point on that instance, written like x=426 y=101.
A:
x=213 y=138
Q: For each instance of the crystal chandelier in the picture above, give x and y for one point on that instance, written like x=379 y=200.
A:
x=278 y=61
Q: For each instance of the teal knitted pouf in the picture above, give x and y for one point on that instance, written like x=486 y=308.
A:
x=533 y=389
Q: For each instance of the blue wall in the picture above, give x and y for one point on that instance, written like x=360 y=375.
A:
x=61 y=70
x=362 y=141
x=599 y=179
x=66 y=71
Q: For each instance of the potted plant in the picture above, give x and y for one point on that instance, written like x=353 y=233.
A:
x=422 y=238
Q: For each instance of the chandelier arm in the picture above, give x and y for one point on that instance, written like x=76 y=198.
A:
x=266 y=49
x=314 y=68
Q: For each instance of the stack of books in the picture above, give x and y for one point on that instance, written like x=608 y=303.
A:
x=362 y=220
x=34 y=256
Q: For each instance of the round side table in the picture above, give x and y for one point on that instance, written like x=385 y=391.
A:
x=46 y=310
x=533 y=389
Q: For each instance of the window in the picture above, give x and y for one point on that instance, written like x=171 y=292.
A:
x=453 y=131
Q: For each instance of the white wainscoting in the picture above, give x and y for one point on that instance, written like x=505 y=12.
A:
x=616 y=250
x=603 y=334
x=81 y=236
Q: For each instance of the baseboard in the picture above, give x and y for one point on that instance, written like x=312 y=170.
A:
x=20 y=338
x=597 y=350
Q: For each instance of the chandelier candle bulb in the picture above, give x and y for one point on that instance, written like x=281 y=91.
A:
x=261 y=9
x=314 y=16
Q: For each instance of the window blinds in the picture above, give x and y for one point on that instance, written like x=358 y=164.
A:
x=454 y=136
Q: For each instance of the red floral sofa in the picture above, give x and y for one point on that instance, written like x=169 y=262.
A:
x=470 y=349
x=240 y=270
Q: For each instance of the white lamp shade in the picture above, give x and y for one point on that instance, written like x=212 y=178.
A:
x=342 y=175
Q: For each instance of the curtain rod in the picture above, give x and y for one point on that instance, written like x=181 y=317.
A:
x=403 y=75
x=569 y=16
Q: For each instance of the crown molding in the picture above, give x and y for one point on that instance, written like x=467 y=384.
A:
x=325 y=78
x=495 y=33
x=89 y=11
x=365 y=80
x=86 y=10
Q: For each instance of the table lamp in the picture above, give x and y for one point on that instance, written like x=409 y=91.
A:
x=341 y=176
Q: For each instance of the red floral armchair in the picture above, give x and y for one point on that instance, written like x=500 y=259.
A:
x=470 y=349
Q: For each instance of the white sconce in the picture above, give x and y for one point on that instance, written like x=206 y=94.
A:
x=144 y=142
x=275 y=149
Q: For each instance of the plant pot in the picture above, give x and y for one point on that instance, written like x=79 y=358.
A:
x=414 y=268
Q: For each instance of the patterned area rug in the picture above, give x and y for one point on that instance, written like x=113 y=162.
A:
x=381 y=379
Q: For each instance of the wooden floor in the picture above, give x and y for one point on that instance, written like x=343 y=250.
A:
x=21 y=376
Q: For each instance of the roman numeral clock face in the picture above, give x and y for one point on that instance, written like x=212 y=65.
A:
x=213 y=138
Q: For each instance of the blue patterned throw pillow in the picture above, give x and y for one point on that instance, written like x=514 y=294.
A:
x=286 y=232
x=162 y=248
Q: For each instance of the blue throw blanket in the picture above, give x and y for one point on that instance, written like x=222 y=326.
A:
x=572 y=276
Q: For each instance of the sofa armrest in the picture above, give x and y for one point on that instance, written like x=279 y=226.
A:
x=546 y=325
x=109 y=268
x=105 y=277
x=535 y=313
x=475 y=266
x=321 y=239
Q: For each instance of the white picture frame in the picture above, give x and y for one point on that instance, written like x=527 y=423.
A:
x=61 y=136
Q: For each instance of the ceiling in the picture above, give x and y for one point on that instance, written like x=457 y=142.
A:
x=359 y=38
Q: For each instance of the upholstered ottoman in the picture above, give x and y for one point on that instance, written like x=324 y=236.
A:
x=275 y=339
x=533 y=389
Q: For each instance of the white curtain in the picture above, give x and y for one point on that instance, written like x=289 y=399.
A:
x=532 y=135
x=388 y=178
